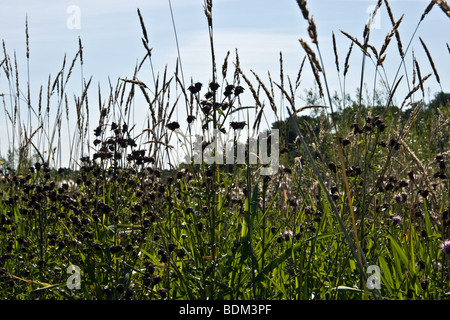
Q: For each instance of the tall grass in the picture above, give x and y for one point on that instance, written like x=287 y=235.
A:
x=140 y=225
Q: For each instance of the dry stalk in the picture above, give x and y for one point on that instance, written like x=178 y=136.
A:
x=346 y=65
x=336 y=57
x=269 y=96
x=397 y=34
x=388 y=40
x=431 y=60
x=426 y=179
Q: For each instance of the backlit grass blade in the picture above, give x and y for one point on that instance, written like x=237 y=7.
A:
x=386 y=274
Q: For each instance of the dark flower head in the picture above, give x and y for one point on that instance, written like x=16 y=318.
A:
x=163 y=292
x=155 y=279
x=180 y=253
x=238 y=125
x=173 y=125
x=190 y=118
x=398 y=197
x=209 y=95
x=97 y=131
x=238 y=90
x=345 y=142
x=394 y=144
x=403 y=184
x=396 y=220
x=195 y=88
x=356 y=128
x=115 y=249
x=421 y=264
x=200 y=226
x=120 y=288
x=206 y=106
x=368 y=127
x=378 y=121
x=424 y=193
x=214 y=86
x=332 y=167
x=228 y=90
x=381 y=127
x=287 y=170
x=424 y=284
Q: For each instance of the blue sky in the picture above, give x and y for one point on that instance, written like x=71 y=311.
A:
x=111 y=37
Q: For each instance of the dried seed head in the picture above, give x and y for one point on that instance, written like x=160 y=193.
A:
x=346 y=65
x=312 y=31
x=311 y=55
x=430 y=60
x=335 y=52
x=303 y=8
x=428 y=9
x=444 y=6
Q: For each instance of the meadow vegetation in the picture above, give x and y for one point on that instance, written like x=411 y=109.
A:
x=360 y=184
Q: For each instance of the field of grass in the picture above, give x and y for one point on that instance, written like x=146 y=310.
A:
x=358 y=208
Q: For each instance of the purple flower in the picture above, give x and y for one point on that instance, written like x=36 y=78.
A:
x=446 y=247
x=287 y=235
x=396 y=220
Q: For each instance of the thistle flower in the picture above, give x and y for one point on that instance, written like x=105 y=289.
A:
x=446 y=247
x=398 y=197
x=228 y=90
x=238 y=90
x=195 y=88
x=396 y=220
x=286 y=235
x=238 y=125
x=214 y=86
x=173 y=125
x=190 y=118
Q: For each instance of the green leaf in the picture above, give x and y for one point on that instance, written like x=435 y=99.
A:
x=345 y=288
x=398 y=250
x=47 y=286
x=386 y=273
